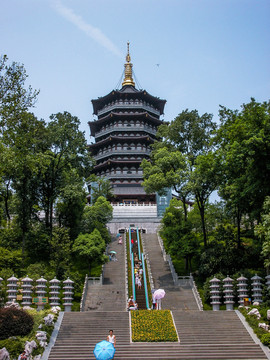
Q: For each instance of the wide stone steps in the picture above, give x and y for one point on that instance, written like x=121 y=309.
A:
x=207 y=335
x=203 y=335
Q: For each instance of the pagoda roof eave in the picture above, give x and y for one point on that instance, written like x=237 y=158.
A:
x=96 y=123
x=108 y=162
x=127 y=91
x=121 y=138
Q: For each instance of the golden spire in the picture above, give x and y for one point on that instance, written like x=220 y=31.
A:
x=128 y=80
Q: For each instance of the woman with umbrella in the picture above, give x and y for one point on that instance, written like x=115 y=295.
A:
x=158 y=295
x=105 y=350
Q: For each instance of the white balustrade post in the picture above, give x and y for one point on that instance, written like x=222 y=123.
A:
x=68 y=294
x=228 y=293
x=54 y=292
x=256 y=288
x=242 y=289
x=27 y=291
x=41 y=291
x=215 y=294
x=12 y=289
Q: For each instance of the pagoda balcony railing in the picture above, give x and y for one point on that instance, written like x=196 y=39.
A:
x=150 y=204
x=124 y=176
x=110 y=153
x=128 y=106
x=125 y=129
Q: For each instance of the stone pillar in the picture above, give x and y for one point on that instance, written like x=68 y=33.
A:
x=68 y=293
x=41 y=291
x=256 y=288
x=267 y=282
x=54 y=292
x=12 y=289
x=228 y=293
x=242 y=289
x=27 y=291
x=215 y=294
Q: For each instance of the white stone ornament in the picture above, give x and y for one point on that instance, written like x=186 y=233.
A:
x=255 y=312
x=29 y=347
x=49 y=320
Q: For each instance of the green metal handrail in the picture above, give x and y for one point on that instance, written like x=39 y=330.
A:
x=145 y=283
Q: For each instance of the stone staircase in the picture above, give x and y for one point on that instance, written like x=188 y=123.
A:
x=111 y=296
x=204 y=335
x=176 y=297
x=199 y=338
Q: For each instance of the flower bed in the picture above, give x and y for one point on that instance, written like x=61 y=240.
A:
x=152 y=326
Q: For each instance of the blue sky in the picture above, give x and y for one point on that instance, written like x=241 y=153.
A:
x=209 y=52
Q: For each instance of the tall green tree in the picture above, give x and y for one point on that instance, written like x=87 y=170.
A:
x=244 y=140
x=262 y=230
x=15 y=97
x=66 y=151
x=174 y=159
x=100 y=186
x=167 y=169
x=204 y=179
x=177 y=233
x=90 y=247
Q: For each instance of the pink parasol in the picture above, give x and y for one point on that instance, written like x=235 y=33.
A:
x=159 y=294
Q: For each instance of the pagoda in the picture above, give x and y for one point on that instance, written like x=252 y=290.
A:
x=125 y=127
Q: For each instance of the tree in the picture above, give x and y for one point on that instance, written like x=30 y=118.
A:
x=23 y=160
x=14 y=97
x=60 y=250
x=204 y=179
x=100 y=212
x=184 y=148
x=167 y=169
x=71 y=202
x=262 y=230
x=90 y=247
x=177 y=233
x=189 y=133
x=244 y=140
x=66 y=151
x=100 y=186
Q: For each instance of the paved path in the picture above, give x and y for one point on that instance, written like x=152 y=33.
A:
x=176 y=298
x=110 y=296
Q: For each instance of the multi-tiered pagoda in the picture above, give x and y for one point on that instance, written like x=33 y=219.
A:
x=126 y=126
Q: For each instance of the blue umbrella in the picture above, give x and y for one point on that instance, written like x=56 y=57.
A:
x=104 y=350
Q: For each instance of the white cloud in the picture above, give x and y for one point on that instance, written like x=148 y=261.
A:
x=91 y=31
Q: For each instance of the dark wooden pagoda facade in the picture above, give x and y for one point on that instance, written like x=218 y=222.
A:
x=126 y=125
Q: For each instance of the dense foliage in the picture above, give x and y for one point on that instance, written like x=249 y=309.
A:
x=44 y=170
x=194 y=156
x=14 y=322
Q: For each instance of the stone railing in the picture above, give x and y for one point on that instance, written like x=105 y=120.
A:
x=196 y=293
x=84 y=293
x=137 y=204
